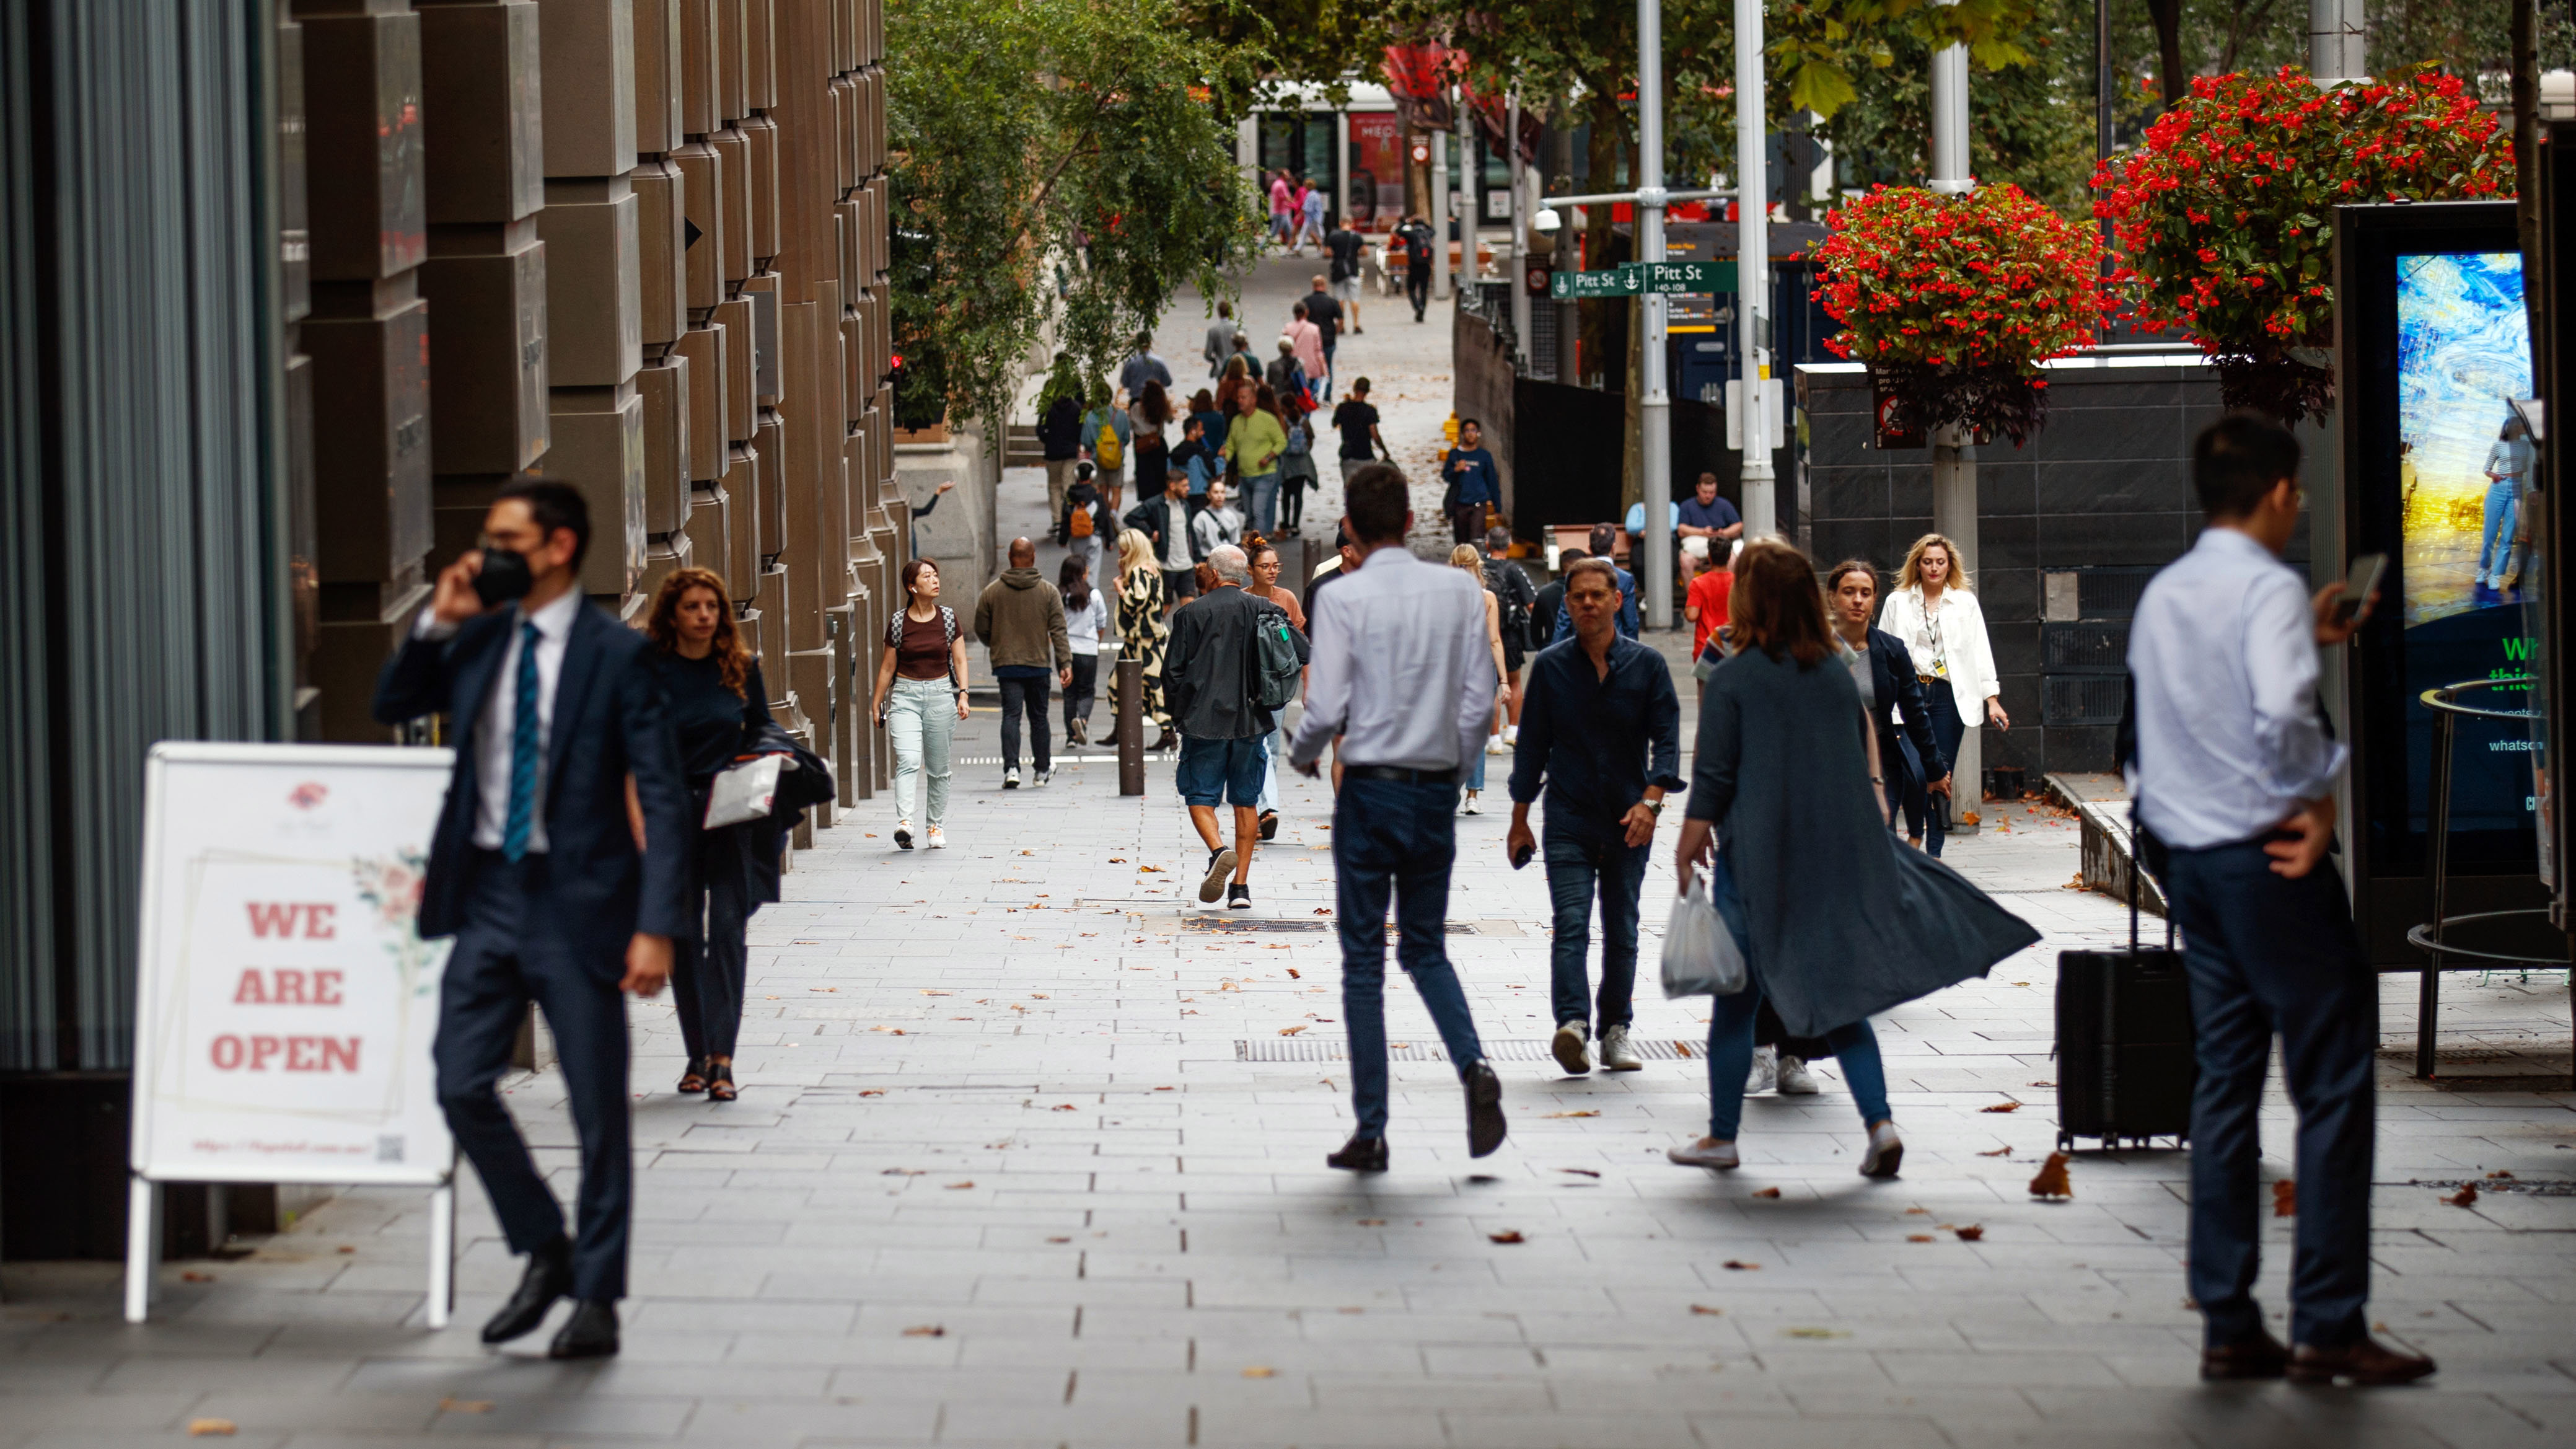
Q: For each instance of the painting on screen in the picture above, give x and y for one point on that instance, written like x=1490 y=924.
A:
x=2464 y=351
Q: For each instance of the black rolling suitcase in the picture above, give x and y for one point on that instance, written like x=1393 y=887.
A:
x=2125 y=1067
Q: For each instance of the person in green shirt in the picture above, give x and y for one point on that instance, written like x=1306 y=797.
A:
x=1253 y=445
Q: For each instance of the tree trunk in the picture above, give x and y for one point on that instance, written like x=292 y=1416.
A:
x=2169 y=69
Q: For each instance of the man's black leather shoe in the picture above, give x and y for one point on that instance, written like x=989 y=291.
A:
x=548 y=1277
x=591 y=1332
x=1484 y=1108
x=1360 y=1154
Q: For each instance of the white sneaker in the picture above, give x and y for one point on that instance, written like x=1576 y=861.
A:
x=1766 y=1071
x=1471 y=807
x=1568 y=1046
x=903 y=835
x=1494 y=745
x=937 y=839
x=1707 y=1152
x=1616 y=1054
x=1512 y=736
x=1046 y=776
x=1885 y=1152
x=1011 y=779
x=1795 y=1079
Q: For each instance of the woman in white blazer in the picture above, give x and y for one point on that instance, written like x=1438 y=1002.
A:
x=1933 y=610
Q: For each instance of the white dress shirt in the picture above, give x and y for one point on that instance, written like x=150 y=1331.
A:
x=1953 y=636
x=501 y=715
x=1400 y=667
x=2223 y=649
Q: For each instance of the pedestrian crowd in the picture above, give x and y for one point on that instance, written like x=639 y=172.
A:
x=619 y=798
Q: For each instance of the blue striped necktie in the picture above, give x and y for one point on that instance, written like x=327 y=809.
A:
x=523 y=750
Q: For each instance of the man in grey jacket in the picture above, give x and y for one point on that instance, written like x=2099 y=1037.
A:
x=1020 y=618
x=1225 y=733
x=1220 y=339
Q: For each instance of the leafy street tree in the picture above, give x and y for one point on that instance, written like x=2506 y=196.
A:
x=1064 y=164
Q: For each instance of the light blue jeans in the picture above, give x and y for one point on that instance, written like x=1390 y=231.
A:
x=1730 y=1039
x=1261 y=502
x=2495 y=548
x=919 y=718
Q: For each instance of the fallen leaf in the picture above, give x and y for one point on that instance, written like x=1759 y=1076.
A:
x=1149 y=870
x=2467 y=1196
x=1813 y=1333
x=1059 y=1240
x=2500 y=1177
x=1037 y=996
x=1574 y=1114
x=193 y=1277
x=2285 y=1199
x=1918 y=1237
x=2002 y=1107
x=2043 y=1084
x=928 y=992
x=1292 y=971
x=1064 y=1107
x=960 y=1186
x=926 y=1330
x=465 y=1406
x=1117 y=860
x=1918 y=1212
x=1580 y=1171
x=903 y=1172
x=1768 y=1192
x=1164 y=1089
x=873 y=1092
x=1260 y=1371
x=345 y=1248
x=1323 y=910
x=1507 y=1236
x=1372 y=1222
x=1971 y=1233
x=1290 y=1030
x=1711 y=1312
x=200 y=1428
x=1998 y=1152
x=2051 y=1181
x=1740 y=1266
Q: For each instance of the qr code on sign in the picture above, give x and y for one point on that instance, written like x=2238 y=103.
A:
x=389 y=1148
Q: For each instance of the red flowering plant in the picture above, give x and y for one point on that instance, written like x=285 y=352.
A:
x=2224 y=217
x=1954 y=301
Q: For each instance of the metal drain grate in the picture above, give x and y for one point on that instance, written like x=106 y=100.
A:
x=1335 y=1049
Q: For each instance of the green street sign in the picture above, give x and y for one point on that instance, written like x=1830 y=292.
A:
x=1632 y=279
x=1673 y=278
x=1577 y=286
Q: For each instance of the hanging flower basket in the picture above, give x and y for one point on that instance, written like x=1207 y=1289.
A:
x=2224 y=217
x=1954 y=301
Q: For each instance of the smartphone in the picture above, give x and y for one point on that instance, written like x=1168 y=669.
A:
x=2359 y=584
x=1521 y=857
x=503 y=577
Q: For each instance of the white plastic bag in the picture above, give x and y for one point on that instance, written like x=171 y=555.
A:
x=744 y=791
x=1701 y=957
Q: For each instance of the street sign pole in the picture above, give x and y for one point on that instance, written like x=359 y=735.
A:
x=1753 y=273
x=1655 y=408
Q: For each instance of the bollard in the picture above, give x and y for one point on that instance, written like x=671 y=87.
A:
x=1131 y=726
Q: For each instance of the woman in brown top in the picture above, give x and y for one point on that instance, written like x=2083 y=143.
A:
x=921 y=695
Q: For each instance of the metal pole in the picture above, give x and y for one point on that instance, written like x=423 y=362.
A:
x=1518 y=271
x=442 y=1254
x=1954 y=457
x=2102 y=81
x=1655 y=405
x=1471 y=189
x=1753 y=272
x=1131 y=726
x=2428 y=995
x=1439 y=217
x=2337 y=37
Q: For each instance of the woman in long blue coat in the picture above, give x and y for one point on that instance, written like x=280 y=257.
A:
x=1784 y=779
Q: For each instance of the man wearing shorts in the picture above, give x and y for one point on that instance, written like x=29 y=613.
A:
x=1225 y=733
x=1356 y=420
x=1346 y=246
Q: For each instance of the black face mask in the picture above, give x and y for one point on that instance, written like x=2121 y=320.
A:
x=504 y=576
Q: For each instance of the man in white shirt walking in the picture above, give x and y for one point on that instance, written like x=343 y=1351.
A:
x=2234 y=778
x=1402 y=673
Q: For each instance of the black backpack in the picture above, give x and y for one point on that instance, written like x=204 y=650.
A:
x=1278 y=659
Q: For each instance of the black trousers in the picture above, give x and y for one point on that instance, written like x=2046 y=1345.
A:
x=1417 y=289
x=707 y=973
x=1024 y=697
x=489 y=982
x=1079 y=694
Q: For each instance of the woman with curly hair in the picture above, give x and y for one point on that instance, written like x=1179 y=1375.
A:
x=719 y=709
x=1142 y=632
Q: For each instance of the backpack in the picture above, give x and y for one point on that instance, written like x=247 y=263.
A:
x=1081 y=523
x=947 y=629
x=1104 y=446
x=1516 y=609
x=1278 y=664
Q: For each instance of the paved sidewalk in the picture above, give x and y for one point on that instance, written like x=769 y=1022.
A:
x=1030 y=1153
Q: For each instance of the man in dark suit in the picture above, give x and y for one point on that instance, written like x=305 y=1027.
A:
x=537 y=872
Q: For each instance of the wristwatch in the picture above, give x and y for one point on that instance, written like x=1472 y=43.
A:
x=1655 y=805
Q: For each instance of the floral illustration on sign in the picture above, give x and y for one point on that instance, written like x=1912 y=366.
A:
x=393 y=887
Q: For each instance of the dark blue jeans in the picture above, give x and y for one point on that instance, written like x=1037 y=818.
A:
x=2267 y=954
x=481 y=1000
x=1583 y=864
x=1947 y=730
x=1027 y=696
x=1399 y=837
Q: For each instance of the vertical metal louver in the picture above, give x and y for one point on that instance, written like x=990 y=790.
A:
x=138 y=522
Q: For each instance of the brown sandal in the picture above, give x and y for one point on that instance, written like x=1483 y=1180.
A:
x=694 y=1080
